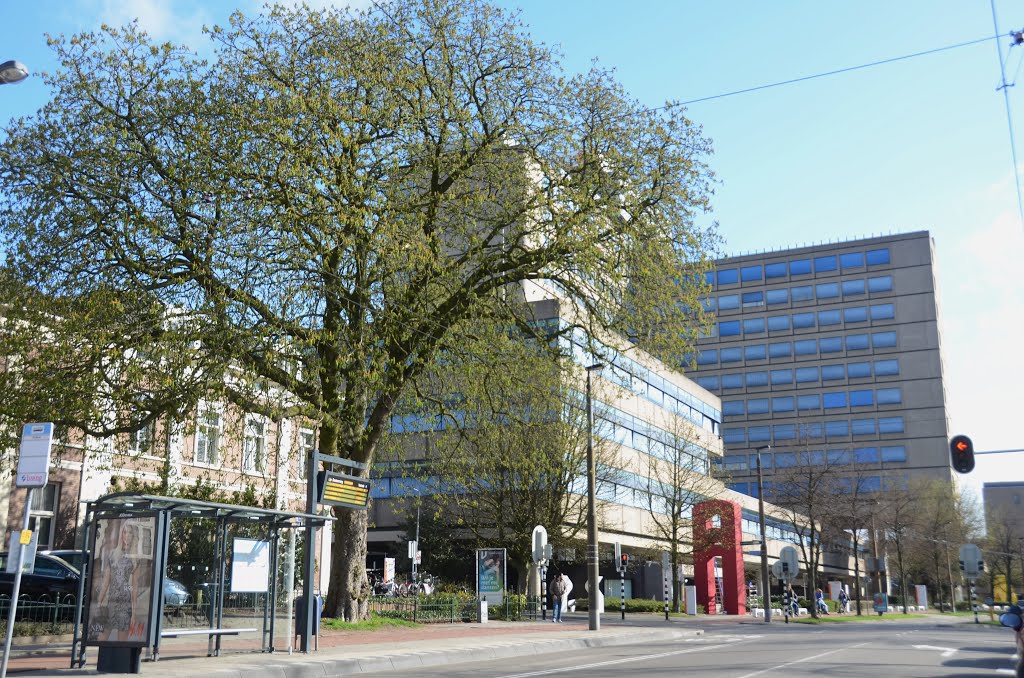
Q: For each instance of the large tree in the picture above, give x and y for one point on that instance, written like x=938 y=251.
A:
x=328 y=203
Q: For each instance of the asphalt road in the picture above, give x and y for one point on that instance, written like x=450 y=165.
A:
x=944 y=647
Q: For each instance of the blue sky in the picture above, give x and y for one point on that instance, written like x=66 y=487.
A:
x=920 y=144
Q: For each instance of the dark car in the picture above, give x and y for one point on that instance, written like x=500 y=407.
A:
x=175 y=593
x=53 y=578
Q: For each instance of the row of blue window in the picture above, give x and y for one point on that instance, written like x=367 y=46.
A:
x=891 y=454
x=797 y=321
x=802 y=375
x=865 y=484
x=834 y=428
x=823 y=264
x=646 y=383
x=814 y=401
x=783 y=295
x=625 y=429
x=750 y=524
x=784 y=350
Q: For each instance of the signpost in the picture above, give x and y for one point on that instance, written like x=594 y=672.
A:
x=33 y=472
x=972 y=566
x=785 y=569
x=541 y=550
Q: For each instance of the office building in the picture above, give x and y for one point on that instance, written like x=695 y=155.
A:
x=831 y=350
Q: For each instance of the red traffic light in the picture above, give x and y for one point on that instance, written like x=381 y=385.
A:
x=962 y=450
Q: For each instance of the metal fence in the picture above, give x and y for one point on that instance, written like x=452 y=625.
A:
x=426 y=609
x=40 y=616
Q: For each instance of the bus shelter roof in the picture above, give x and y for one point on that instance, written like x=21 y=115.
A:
x=135 y=502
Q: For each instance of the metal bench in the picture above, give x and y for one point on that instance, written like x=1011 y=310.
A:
x=174 y=633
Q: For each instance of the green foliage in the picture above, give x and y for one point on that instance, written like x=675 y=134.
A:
x=326 y=208
x=374 y=623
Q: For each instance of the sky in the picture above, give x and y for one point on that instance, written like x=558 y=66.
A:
x=916 y=144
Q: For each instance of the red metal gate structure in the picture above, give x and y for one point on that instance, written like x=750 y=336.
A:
x=717 y=534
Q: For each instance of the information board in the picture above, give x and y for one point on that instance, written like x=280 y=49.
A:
x=250 y=566
x=34 y=457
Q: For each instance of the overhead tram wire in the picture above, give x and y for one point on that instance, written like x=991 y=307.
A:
x=1009 y=118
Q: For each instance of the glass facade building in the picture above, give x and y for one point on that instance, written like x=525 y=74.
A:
x=830 y=350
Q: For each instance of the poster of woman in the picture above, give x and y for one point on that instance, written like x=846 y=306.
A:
x=490 y=575
x=122 y=581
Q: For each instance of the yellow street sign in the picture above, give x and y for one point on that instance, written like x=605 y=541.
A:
x=26 y=537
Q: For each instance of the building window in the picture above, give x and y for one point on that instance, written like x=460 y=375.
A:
x=709 y=383
x=208 y=434
x=43 y=514
x=777 y=270
x=883 y=312
x=863 y=427
x=785 y=431
x=878 y=257
x=778 y=323
x=889 y=396
x=855 y=314
x=880 y=284
x=254 y=447
x=827 y=290
x=730 y=328
x=802 y=293
x=858 y=370
x=808 y=402
x=753 y=326
x=852 y=288
x=142 y=440
x=755 y=352
x=732 y=355
x=894 y=454
x=851 y=260
x=856 y=342
x=707 y=356
x=803 y=320
x=782 y=376
x=757 y=378
x=307 y=443
x=783 y=404
x=728 y=276
x=825 y=264
x=835 y=400
x=733 y=380
x=774 y=297
x=883 y=340
x=826 y=318
x=758 y=434
x=751 y=273
x=753 y=299
x=830 y=344
x=780 y=350
x=806 y=375
x=733 y=435
x=728 y=302
x=865 y=455
x=812 y=430
x=837 y=429
x=833 y=372
x=887 y=368
x=805 y=347
x=732 y=407
x=800 y=267
x=708 y=303
x=890 y=424
x=862 y=398
x=757 y=406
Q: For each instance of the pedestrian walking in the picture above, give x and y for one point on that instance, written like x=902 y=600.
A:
x=844 y=601
x=557 y=589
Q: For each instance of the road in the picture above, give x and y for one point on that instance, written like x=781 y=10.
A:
x=912 y=649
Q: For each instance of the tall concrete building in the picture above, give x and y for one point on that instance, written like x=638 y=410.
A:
x=833 y=350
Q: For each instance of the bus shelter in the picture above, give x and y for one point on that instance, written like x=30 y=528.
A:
x=121 y=596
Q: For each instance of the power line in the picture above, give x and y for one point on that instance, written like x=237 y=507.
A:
x=838 y=71
x=1009 y=118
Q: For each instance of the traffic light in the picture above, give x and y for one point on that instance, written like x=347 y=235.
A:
x=623 y=561
x=962 y=450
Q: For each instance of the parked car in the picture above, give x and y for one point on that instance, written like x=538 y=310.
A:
x=52 y=578
x=175 y=593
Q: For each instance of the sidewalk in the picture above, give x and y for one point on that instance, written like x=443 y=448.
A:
x=352 y=652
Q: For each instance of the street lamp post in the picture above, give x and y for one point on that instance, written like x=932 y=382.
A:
x=766 y=598
x=593 y=569
x=1020 y=549
x=12 y=72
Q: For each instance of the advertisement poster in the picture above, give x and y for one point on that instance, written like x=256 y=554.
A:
x=490 y=575
x=389 y=569
x=250 y=566
x=121 y=592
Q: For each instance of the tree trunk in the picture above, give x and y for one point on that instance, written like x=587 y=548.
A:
x=347 y=597
x=856 y=573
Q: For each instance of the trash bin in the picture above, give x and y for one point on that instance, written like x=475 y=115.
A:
x=300 y=617
x=481 y=613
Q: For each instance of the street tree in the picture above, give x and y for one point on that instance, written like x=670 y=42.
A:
x=1003 y=542
x=326 y=206
x=897 y=517
x=677 y=478
x=854 y=511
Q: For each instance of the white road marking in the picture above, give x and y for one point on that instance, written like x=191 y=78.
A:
x=946 y=651
x=800 y=661
x=625 y=660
